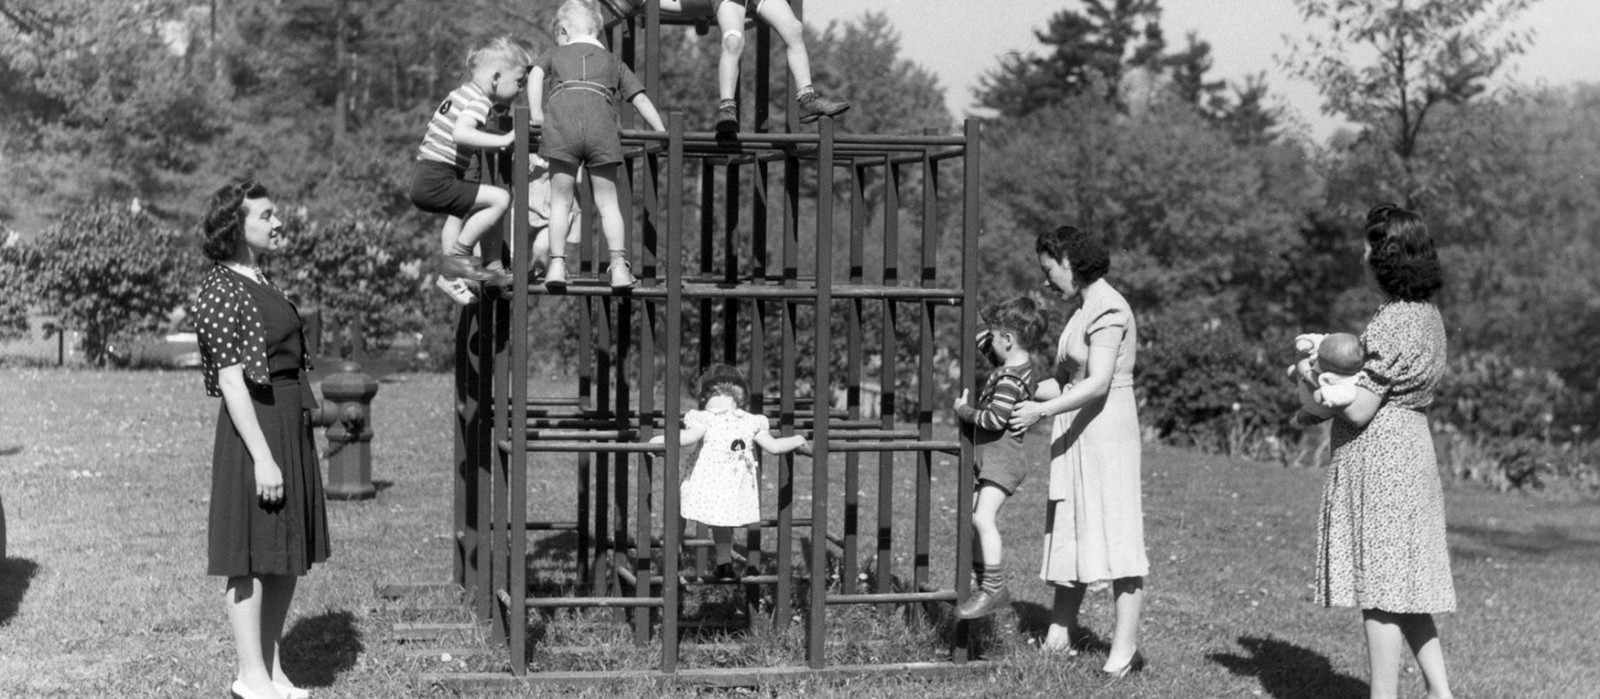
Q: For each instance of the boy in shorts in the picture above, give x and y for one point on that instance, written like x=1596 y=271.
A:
x=1015 y=329
x=438 y=176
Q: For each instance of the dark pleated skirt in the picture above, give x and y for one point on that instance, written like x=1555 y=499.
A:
x=247 y=537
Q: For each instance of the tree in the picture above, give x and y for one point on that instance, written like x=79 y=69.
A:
x=106 y=270
x=1429 y=53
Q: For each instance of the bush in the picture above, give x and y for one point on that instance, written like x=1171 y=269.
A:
x=355 y=267
x=106 y=271
x=1203 y=384
x=13 y=276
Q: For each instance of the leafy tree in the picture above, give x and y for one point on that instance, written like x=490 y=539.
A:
x=1088 y=53
x=13 y=275
x=106 y=270
x=1198 y=224
x=1428 y=53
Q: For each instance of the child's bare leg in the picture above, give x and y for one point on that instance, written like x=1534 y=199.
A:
x=730 y=20
x=992 y=596
x=563 y=192
x=603 y=178
x=780 y=17
x=490 y=205
x=450 y=232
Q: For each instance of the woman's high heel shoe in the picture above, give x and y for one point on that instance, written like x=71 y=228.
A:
x=1134 y=664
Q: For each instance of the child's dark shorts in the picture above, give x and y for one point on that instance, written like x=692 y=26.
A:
x=581 y=130
x=1003 y=462
x=438 y=188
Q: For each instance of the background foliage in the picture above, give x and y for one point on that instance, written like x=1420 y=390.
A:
x=1231 y=229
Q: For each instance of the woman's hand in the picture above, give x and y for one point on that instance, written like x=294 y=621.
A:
x=269 y=481
x=1024 y=414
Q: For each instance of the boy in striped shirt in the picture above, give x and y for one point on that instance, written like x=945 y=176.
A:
x=1015 y=329
x=438 y=177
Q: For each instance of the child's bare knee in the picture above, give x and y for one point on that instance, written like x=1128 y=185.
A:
x=733 y=42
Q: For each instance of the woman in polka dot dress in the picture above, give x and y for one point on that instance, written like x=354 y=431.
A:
x=722 y=489
x=267 y=524
x=1381 y=537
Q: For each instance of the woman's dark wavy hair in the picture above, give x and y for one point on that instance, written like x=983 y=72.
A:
x=1403 y=257
x=223 y=226
x=724 y=380
x=1086 y=255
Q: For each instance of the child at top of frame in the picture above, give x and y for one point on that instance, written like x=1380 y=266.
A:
x=730 y=16
x=498 y=73
x=578 y=110
x=722 y=489
x=1015 y=330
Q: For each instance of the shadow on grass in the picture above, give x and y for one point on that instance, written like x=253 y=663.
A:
x=16 y=576
x=1287 y=670
x=1033 y=622
x=1566 y=543
x=318 y=648
x=11 y=450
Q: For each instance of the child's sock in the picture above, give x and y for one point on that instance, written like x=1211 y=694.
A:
x=459 y=250
x=803 y=92
x=727 y=104
x=993 y=579
x=977 y=574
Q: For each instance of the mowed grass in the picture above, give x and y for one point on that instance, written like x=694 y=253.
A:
x=104 y=478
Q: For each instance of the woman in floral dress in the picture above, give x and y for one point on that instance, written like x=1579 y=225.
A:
x=1381 y=538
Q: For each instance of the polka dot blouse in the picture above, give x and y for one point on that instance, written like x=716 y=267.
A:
x=228 y=323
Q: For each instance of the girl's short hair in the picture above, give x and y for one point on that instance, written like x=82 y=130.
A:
x=724 y=380
x=222 y=229
x=1022 y=317
x=1084 y=252
x=503 y=52
x=579 y=17
x=1403 y=259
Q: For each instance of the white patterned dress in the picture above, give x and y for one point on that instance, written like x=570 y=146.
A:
x=723 y=488
x=1381 y=539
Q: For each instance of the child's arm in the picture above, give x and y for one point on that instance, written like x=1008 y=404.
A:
x=647 y=110
x=1008 y=391
x=468 y=134
x=536 y=96
x=779 y=445
x=686 y=435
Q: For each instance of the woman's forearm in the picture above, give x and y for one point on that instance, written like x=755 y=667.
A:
x=1076 y=396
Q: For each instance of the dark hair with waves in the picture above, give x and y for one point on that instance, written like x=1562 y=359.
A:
x=724 y=380
x=1402 y=258
x=1085 y=253
x=223 y=226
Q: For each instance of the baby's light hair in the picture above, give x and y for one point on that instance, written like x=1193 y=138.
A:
x=504 y=52
x=579 y=17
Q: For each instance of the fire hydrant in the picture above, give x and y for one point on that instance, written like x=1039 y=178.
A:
x=346 y=411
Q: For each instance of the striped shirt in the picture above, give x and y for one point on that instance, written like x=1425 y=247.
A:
x=439 y=143
x=1007 y=386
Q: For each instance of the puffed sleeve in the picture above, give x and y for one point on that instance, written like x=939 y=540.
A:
x=757 y=423
x=219 y=323
x=1108 y=325
x=697 y=419
x=1393 y=364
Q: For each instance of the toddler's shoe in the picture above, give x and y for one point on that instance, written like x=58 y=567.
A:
x=728 y=571
x=465 y=267
x=983 y=604
x=622 y=274
x=727 y=119
x=458 y=290
x=814 y=106
x=555 y=276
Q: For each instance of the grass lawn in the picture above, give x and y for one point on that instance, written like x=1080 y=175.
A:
x=104 y=478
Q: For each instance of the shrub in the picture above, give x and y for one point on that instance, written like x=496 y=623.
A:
x=105 y=271
x=1204 y=384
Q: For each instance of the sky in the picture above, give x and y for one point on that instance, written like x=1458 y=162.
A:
x=1244 y=36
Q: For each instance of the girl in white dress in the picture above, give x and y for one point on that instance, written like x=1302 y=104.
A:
x=722 y=489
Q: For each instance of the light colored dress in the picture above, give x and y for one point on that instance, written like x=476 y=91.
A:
x=1381 y=538
x=1094 y=525
x=723 y=487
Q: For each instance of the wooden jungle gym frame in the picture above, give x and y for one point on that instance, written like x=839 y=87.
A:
x=631 y=372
